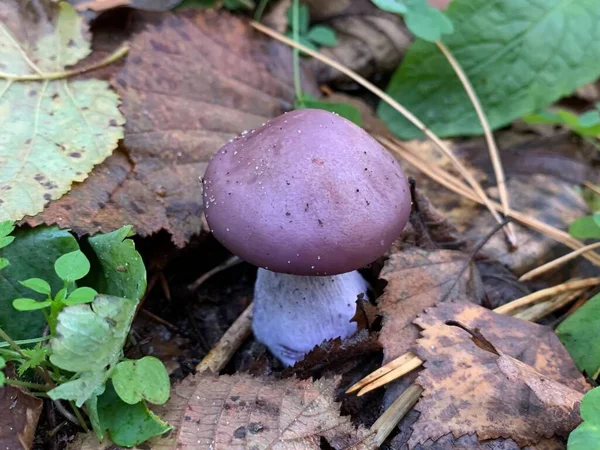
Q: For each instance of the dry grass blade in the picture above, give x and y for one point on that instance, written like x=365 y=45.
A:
x=397 y=106
x=382 y=371
x=398 y=372
x=536 y=312
x=530 y=299
x=455 y=185
x=489 y=137
x=233 y=261
x=220 y=355
x=592 y=187
x=558 y=261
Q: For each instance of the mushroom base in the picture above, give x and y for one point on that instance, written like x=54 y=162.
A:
x=293 y=314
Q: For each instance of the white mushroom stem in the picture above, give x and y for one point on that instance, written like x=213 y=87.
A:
x=293 y=314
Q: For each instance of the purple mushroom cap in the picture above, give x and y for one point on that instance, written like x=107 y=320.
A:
x=308 y=193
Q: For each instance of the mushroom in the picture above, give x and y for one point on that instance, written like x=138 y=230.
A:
x=309 y=198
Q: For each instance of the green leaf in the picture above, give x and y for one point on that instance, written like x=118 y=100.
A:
x=234 y=5
x=587 y=227
x=80 y=390
x=303 y=18
x=60 y=295
x=29 y=304
x=60 y=129
x=426 y=22
x=587 y=435
x=4 y=241
x=127 y=425
x=38 y=285
x=72 y=266
x=32 y=254
x=513 y=56
x=579 y=334
x=143 y=379
x=343 y=109
x=80 y=295
x=2 y=366
x=35 y=357
x=90 y=337
x=304 y=41
x=117 y=267
x=3 y=263
x=589 y=119
x=6 y=228
x=199 y=4
x=393 y=6
x=322 y=35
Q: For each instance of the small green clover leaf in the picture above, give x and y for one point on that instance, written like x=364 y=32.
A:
x=311 y=37
x=143 y=379
x=72 y=266
x=587 y=435
x=38 y=285
x=29 y=304
x=80 y=295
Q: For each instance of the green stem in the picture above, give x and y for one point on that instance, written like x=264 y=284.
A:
x=296 y=52
x=12 y=344
x=260 y=9
x=80 y=418
x=26 y=341
x=26 y=384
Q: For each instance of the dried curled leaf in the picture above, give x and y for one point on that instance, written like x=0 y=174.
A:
x=493 y=375
x=19 y=418
x=190 y=83
x=55 y=130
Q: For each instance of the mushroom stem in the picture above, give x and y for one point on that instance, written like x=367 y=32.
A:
x=293 y=314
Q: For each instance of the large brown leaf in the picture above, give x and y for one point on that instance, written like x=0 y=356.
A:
x=245 y=412
x=190 y=83
x=418 y=279
x=493 y=375
x=19 y=414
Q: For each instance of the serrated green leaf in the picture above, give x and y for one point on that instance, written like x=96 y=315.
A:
x=80 y=295
x=143 y=379
x=35 y=357
x=513 y=57
x=72 y=266
x=579 y=334
x=29 y=304
x=127 y=425
x=587 y=227
x=587 y=435
x=117 y=267
x=426 y=22
x=322 y=35
x=90 y=337
x=343 y=109
x=32 y=254
x=80 y=390
x=6 y=228
x=303 y=18
x=393 y=6
x=38 y=285
x=54 y=131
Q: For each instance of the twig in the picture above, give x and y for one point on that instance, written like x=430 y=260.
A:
x=220 y=355
x=455 y=185
x=41 y=76
x=465 y=173
x=558 y=261
x=489 y=137
x=592 y=187
x=66 y=414
x=397 y=410
x=548 y=292
x=233 y=261
x=160 y=320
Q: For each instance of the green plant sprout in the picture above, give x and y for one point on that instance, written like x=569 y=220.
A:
x=311 y=37
x=82 y=360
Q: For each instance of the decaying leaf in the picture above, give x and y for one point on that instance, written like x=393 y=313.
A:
x=58 y=129
x=371 y=41
x=19 y=414
x=418 y=279
x=240 y=411
x=493 y=375
x=190 y=83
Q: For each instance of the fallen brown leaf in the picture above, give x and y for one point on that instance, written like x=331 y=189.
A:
x=418 y=279
x=190 y=83
x=19 y=415
x=493 y=375
x=244 y=412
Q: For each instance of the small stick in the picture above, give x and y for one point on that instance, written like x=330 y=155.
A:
x=160 y=320
x=220 y=355
x=233 y=261
x=392 y=416
x=509 y=308
x=466 y=174
x=558 y=261
x=382 y=371
x=592 y=187
x=489 y=137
